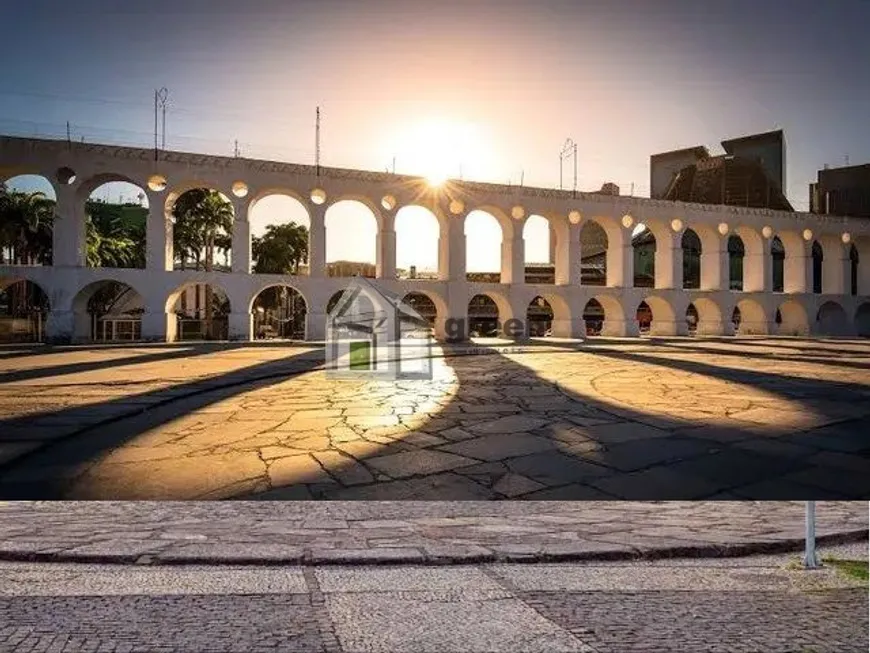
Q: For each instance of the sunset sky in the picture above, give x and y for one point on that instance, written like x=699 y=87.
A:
x=502 y=84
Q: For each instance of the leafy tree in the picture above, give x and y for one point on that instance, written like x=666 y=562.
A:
x=281 y=249
x=203 y=222
x=26 y=221
x=115 y=236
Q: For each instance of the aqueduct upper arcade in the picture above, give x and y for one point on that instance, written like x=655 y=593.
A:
x=821 y=264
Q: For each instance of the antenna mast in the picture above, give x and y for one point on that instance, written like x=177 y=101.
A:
x=160 y=97
x=317 y=143
x=568 y=150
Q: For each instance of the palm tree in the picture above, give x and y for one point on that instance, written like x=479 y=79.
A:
x=26 y=221
x=203 y=222
x=281 y=249
x=111 y=242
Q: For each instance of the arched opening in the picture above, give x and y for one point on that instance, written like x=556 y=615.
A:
x=707 y=318
x=644 y=317
x=736 y=252
x=692 y=319
x=351 y=240
x=831 y=320
x=656 y=316
x=539 y=249
x=593 y=316
x=27 y=213
x=818 y=257
x=417 y=234
x=116 y=216
x=363 y=301
x=483 y=238
x=853 y=270
x=643 y=242
x=279 y=225
x=539 y=318
x=202 y=310
x=593 y=254
x=777 y=255
x=483 y=317
x=24 y=307
x=862 y=320
x=792 y=319
x=424 y=305
x=691 y=245
x=108 y=311
x=749 y=318
x=202 y=230
x=279 y=313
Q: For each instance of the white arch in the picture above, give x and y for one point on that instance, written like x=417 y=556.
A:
x=794 y=319
x=417 y=232
x=358 y=222
x=481 y=225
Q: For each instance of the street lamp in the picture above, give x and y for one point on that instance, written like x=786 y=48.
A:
x=811 y=558
x=568 y=150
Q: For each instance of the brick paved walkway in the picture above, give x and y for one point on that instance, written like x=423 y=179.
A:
x=658 y=419
x=414 y=532
x=748 y=605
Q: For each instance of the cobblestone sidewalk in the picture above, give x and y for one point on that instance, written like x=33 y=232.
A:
x=411 y=532
x=746 y=605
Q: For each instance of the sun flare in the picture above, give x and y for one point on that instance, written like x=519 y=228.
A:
x=438 y=149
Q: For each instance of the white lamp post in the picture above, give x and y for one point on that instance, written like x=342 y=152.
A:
x=811 y=558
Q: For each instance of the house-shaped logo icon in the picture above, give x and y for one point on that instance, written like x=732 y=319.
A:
x=373 y=333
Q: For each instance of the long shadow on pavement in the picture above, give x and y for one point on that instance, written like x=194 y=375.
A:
x=510 y=433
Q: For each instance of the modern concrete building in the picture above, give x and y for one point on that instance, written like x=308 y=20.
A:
x=842 y=191
x=76 y=169
x=750 y=173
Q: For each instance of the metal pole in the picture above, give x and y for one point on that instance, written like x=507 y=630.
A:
x=575 y=169
x=560 y=170
x=155 y=124
x=811 y=558
x=317 y=143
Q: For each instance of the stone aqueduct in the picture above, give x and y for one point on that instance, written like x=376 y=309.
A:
x=76 y=169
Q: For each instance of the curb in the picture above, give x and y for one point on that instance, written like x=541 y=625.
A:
x=417 y=557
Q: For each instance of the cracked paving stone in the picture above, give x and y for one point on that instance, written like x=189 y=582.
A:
x=294 y=470
x=347 y=470
x=499 y=447
x=510 y=424
x=513 y=485
x=412 y=463
x=556 y=468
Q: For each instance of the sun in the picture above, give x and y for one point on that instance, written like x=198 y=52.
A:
x=436 y=149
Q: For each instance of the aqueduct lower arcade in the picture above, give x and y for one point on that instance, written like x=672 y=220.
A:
x=711 y=270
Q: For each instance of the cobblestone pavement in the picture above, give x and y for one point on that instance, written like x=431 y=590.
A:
x=652 y=419
x=748 y=604
x=313 y=532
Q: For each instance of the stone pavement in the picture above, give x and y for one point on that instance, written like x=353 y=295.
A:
x=736 y=605
x=679 y=418
x=362 y=533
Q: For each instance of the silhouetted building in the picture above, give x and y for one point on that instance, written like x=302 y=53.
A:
x=663 y=167
x=750 y=173
x=842 y=191
x=768 y=150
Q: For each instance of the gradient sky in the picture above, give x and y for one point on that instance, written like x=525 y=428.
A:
x=510 y=80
